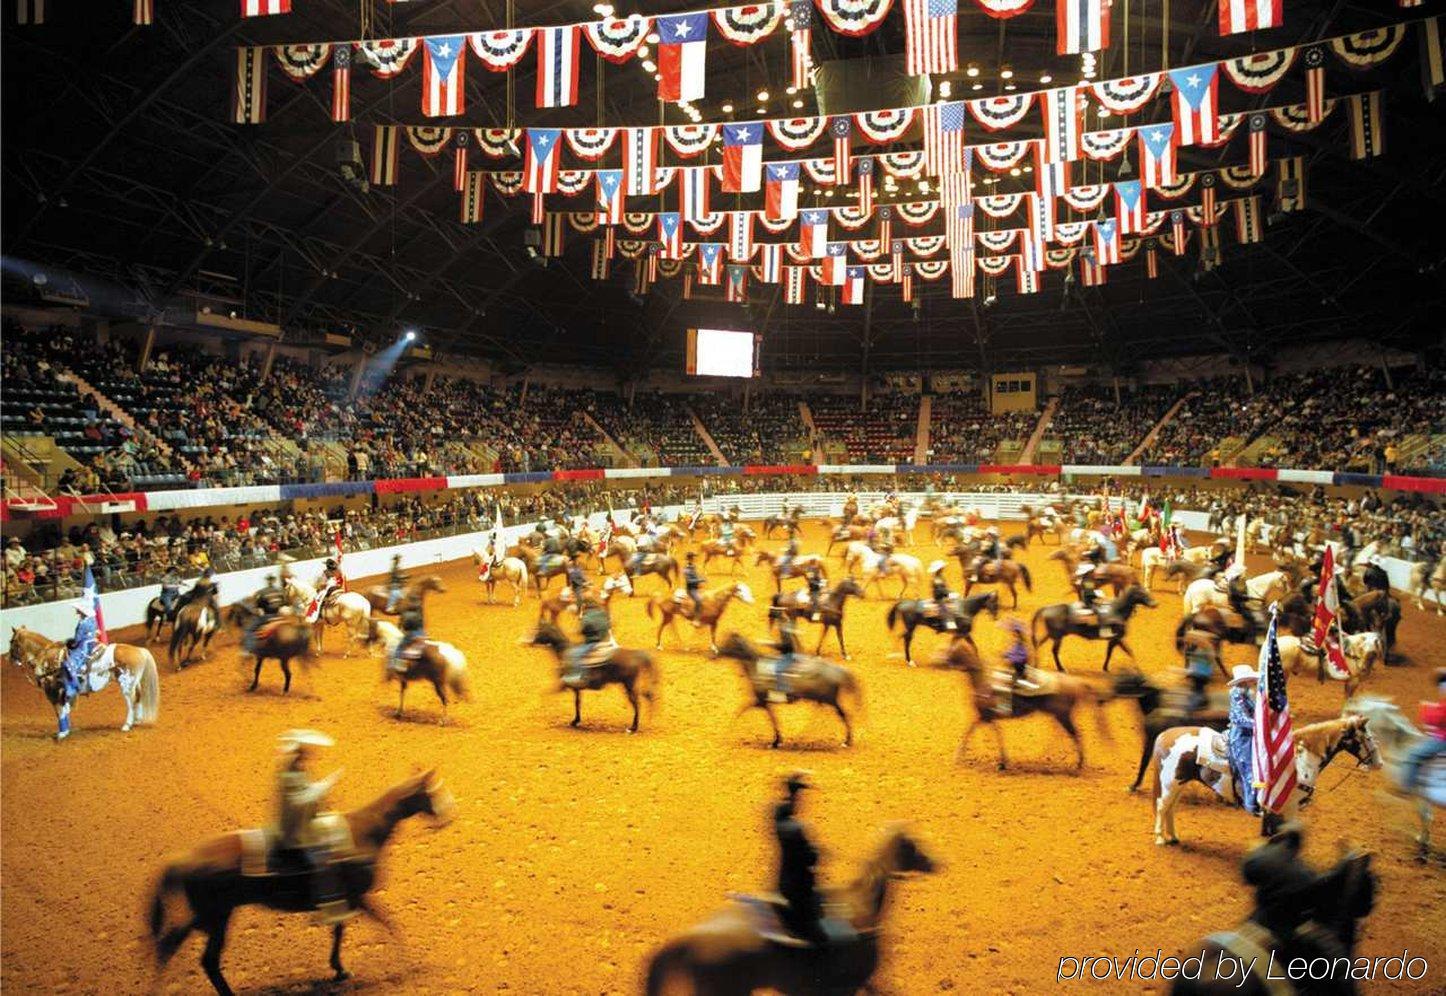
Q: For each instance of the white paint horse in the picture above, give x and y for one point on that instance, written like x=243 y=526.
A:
x=1271 y=586
x=907 y=568
x=350 y=610
x=513 y=570
x=133 y=668
x=1177 y=760
x=1398 y=738
x=1424 y=577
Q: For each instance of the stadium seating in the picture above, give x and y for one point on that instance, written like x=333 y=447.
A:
x=883 y=431
x=961 y=430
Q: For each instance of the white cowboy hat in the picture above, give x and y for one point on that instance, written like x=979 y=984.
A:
x=937 y=566
x=1084 y=569
x=293 y=739
x=85 y=609
x=1243 y=673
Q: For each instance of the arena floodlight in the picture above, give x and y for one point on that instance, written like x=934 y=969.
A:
x=411 y=335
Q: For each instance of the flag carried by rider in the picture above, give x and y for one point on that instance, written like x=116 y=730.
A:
x=91 y=594
x=336 y=542
x=1326 y=626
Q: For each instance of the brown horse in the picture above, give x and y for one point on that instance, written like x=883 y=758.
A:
x=633 y=669
x=718 y=548
x=133 y=668
x=1060 y=620
x=378 y=597
x=1005 y=572
x=1118 y=576
x=284 y=639
x=553 y=606
x=831 y=606
x=811 y=680
x=743 y=948
x=196 y=622
x=792 y=570
x=1165 y=708
x=663 y=565
x=714 y=602
x=996 y=699
x=846 y=534
x=215 y=880
x=439 y=663
x=1225 y=625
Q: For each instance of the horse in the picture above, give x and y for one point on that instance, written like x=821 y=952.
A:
x=1042 y=526
x=1430 y=577
x=1360 y=651
x=1061 y=620
x=713 y=603
x=215 y=879
x=1005 y=572
x=621 y=546
x=513 y=570
x=745 y=948
x=283 y=638
x=157 y=617
x=1299 y=919
x=1271 y=586
x=718 y=548
x=795 y=569
x=875 y=567
x=1184 y=572
x=831 y=605
x=846 y=534
x=542 y=567
x=377 y=595
x=1226 y=625
x=1177 y=764
x=134 y=670
x=195 y=623
x=1398 y=738
x=1117 y=576
x=787 y=522
x=1375 y=610
x=995 y=698
x=1163 y=709
x=811 y=680
x=633 y=669
x=664 y=565
x=349 y=609
x=440 y=663
x=915 y=613
x=553 y=606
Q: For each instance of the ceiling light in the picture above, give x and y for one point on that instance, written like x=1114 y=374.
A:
x=828 y=192
x=643 y=51
x=1014 y=171
x=658 y=77
x=727 y=108
x=798 y=103
x=652 y=38
x=944 y=88
x=605 y=9
x=1006 y=73
x=791 y=90
x=650 y=65
x=411 y=336
x=1046 y=78
x=977 y=86
x=1103 y=111
x=761 y=110
x=762 y=96
x=1010 y=86
x=973 y=70
x=923 y=186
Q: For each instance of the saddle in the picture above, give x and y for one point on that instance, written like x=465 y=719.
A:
x=269 y=627
x=262 y=857
x=598 y=655
x=765 y=916
x=1213 y=751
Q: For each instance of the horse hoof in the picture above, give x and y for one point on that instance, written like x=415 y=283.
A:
x=126 y=728
x=341 y=975
x=1160 y=842
x=1132 y=789
x=1001 y=766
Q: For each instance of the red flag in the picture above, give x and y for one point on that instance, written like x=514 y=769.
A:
x=336 y=542
x=1325 y=628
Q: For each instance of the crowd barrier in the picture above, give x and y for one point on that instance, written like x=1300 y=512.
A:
x=128 y=607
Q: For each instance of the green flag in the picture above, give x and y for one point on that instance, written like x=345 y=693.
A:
x=1165 y=515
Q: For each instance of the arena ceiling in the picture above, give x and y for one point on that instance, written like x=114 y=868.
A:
x=119 y=164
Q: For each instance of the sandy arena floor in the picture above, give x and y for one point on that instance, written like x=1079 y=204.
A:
x=575 y=852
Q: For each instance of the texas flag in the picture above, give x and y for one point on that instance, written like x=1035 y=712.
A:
x=1107 y=241
x=1157 y=155
x=557 y=52
x=1197 y=121
x=853 y=285
x=835 y=264
x=780 y=191
x=541 y=160
x=670 y=234
x=91 y=595
x=1130 y=204
x=682 y=55
x=742 y=157
x=610 y=196
x=443 y=74
x=813 y=233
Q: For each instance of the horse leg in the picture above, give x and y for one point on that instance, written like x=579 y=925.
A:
x=211 y=957
x=401 y=695
x=62 y=719
x=838 y=632
x=713 y=636
x=1423 y=840
x=777 y=733
x=908 y=642
x=1014 y=594
x=1067 y=721
x=848 y=727
x=632 y=701
x=576 y=707
x=1145 y=751
x=1055 y=650
x=286 y=670
x=336 y=933
x=999 y=739
x=256 y=677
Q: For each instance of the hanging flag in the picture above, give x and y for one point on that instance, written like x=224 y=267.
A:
x=341 y=84
x=1433 y=70
x=886 y=224
x=472 y=197
x=800 y=16
x=610 y=196
x=31 y=12
x=1197 y=121
x=248 y=89
x=906 y=285
x=670 y=234
x=444 y=73
x=740 y=238
x=1157 y=155
x=813 y=233
x=840 y=128
x=385 y=146
x=264 y=8
x=1290 y=184
x=959 y=229
x=931 y=31
x=641 y=282
x=1247 y=220
x=557 y=52
x=853 y=285
x=1249 y=15
x=539 y=200
x=866 y=185
x=143 y=12
x=541 y=160
x=682 y=55
x=553 y=227
x=1026 y=279
x=943 y=137
x=1152 y=259
x=693 y=192
x=91 y=595
x=1207 y=199
x=1107 y=241
x=1177 y=231
x=1130 y=206
x=1273 y=745
x=1314 y=60
x=780 y=191
x=961 y=274
x=795 y=285
x=710 y=262
x=835 y=264
x=896 y=260
x=772 y=259
x=640 y=161
x=1258 y=157
x=742 y=157
x=1081 y=26
x=1061 y=109
x=737 y=285
x=459 y=159
x=1368 y=127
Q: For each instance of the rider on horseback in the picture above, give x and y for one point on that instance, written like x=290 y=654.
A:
x=77 y=652
x=170 y=591
x=1017 y=655
x=297 y=799
x=577 y=581
x=396 y=583
x=992 y=548
x=270 y=600
x=1433 y=717
x=797 y=882
x=1240 y=734
x=785 y=559
x=813 y=574
x=692 y=583
x=413 y=634
x=331 y=578
x=787 y=647
x=597 y=628
x=725 y=533
x=941 y=594
x=1236 y=591
x=1092 y=601
x=205 y=587
x=1202 y=651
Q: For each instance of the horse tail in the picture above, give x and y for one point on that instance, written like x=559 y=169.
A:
x=648 y=687
x=457 y=681
x=1024 y=573
x=850 y=690
x=651 y=603
x=1034 y=626
x=167 y=941
x=670 y=962
x=148 y=694
x=1099 y=697
x=893 y=615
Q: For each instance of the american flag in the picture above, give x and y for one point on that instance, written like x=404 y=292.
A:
x=1273 y=748
x=943 y=138
x=931 y=29
x=341 y=84
x=800 y=15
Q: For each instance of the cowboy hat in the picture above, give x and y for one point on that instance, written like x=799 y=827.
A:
x=1083 y=569
x=798 y=780
x=293 y=739
x=1241 y=674
x=937 y=566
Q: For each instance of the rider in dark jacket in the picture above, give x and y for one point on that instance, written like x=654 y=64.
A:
x=396 y=583
x=270 y=600
x=797 y=858
x=413 y=630
x=596 y=628
x=692 y=584
x=577 y=581
x=814 y=574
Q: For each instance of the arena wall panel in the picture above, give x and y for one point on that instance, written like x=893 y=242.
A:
x=1430 y=485
x=160 y=501
x=621 y=473
x=1175 y=471
x=1359 y=480
x=1306 y=476
x=330 y=489
x=405 y=485
x=476 y=480
x=1244 y=473
x=1100 y=470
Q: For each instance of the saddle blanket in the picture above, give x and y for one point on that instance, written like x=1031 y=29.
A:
x=98 y=669
x=1212 y=751
x=599 y=654
x=330 y=831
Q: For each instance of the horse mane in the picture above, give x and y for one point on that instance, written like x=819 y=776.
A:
x=1318 y=738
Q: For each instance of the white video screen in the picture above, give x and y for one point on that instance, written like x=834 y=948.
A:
x=721 y=353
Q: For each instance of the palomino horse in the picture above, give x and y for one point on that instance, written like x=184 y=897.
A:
x=350 y=610
x=1430 y=577
x=788 y=523
x=669 y=610
x=1005 y=572
x=1361 y=652
x=284 y=639
x=1177 y=764
x=513 y=570
x=1061 y=620
x=795 y=569
x=846 y=534
x=811 y=679
x=1300 y=918
x=133 y=668
x=620 y=546
x=1117 y=576
x=377 y=595
x=1164 y=709
x=744 y=947
x=1271 y=586
x=961 y=611
x=633 y=669
x=215 y=878
x=439 y=663
x=1399 y=739
x=553 y=606
x=194 y=625
x=872 y=568
x=795 y=605
x=995 y=698
x=719 y=548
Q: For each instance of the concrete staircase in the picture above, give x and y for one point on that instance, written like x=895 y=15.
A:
x=921 y=433
x=35 y=460
x=1045 y=417
x=621 y=457
x=119 y=414
x=1251 y=454
x=1155 y=429
x=815 y=442
x=707 y=437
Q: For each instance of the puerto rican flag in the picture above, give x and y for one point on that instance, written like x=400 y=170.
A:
x=1197 y=119
x=853 y=285
x=1130 y=204
x=610 y=196
x=1061 y=109
x=1249 y=15
x=737 y=284
x=1082 y=26
x=91 y=593
x=742 y=157
x=1157 y=155
x=444 y=72
x=541 y=160
x=670 y=234
x=780 y=191
x=557 y=52
x=682 y=55
x=931 y=32
x=710 y=262
x=640 y=161
x=1107 y=241
x=835 y=264
x=740 y=238
x=813 y=233
x=693 y=192
x=772 y=253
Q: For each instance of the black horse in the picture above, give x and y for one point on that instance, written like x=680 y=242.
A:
x=1061 y=620
x=962 y=611
x=1163 y=708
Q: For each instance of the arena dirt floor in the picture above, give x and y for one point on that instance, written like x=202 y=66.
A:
x=575 y=852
